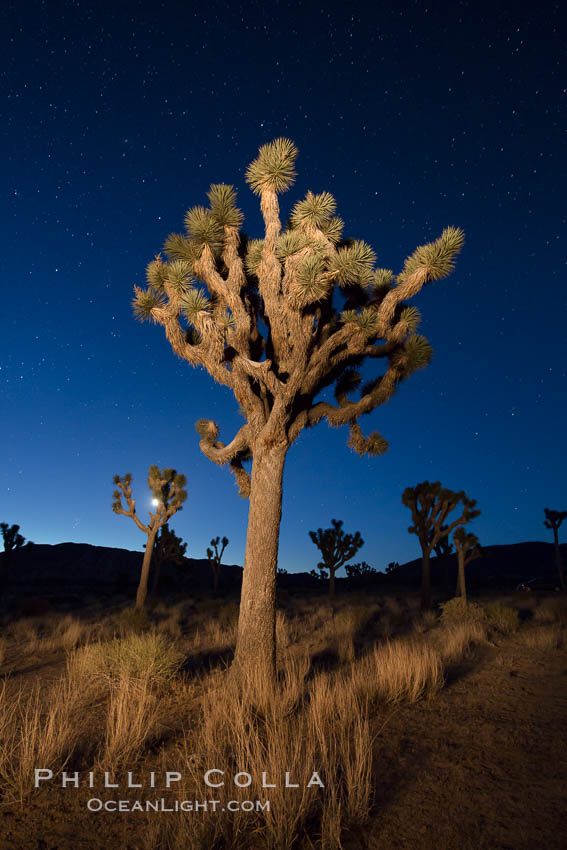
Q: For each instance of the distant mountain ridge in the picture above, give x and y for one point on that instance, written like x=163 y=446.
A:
x=76 y=569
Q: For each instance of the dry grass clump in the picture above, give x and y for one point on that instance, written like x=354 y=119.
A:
x=399 y=670
x=300 y=729
x=456 y=641
x=502 y=618
x=458 y=610
x=131 y=721
x=149 y=658
x=545 y=637
x=3 y=645
x=552 y=611
x=36 y=731
x=424 y=622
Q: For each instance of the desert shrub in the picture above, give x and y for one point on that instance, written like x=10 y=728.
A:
x=546 y=637
x=425 y=621
x=552 y=611
x=149 y=657
x=132 y=620
x=399 y=670
x=3 y=644
x=501 y=618
x=458 y=610
x=456 y=640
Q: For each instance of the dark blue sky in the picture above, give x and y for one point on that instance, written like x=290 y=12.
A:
x=118 y=116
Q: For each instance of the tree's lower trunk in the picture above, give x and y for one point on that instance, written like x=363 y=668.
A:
x=215 y=570
x=142 y=591
x=331 y=584
x=255 y=656
x=558 y=560
x=461 y=586
x=155 y=580
x=425 y=582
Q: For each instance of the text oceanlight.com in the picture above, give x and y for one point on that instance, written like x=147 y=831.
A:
x=97 y=805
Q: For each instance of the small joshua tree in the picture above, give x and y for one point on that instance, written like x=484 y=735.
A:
x=430 y=506
x=168 y=497
x=360 y=569
x=12 y=539
x=168 y=547
x=280 y=320
x=468 y=548
x=336 y=549
x=215 y=556
x=553 y=520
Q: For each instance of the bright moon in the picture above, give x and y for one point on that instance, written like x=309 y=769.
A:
x=155 y=502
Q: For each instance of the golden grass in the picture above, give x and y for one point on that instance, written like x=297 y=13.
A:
x=543 y=637
x=401 y=670
x=456 y=641
x=35 y=733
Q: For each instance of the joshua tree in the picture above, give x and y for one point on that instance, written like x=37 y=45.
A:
x=12 y=539
x=443 y=548
x=278 y=320
x=361 y=569
x=168 y=497
x=392 y=567
x=168 y=547
x=553 y=520
x=430 y=506
x=468 y=548
x=336 y=548
x=215 y=558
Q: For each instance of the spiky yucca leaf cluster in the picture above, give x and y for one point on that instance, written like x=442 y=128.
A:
x=375 y=444
x=203 y=227
x=273 y=168
x=353 y=264
x=179 y=275
x=411 y=317
x=417 y=354
x=156 y=273
x=308 y=286
x=144 y=301
x=314 y=210
x=194 y=302
x=253 y=255
x=167 y=485
x=222 y=201
x=290 y=243
x=436 y=259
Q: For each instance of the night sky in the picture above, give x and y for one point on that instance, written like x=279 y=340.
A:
x=116 y=119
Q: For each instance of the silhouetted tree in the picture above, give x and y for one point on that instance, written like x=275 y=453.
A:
x=443 y=549
x=360 y=569
x=336 y=548
x=553 y=520
x=268 y=324
x=467 y=548
x=215 y=557
x=430 y=506
x=168 y=548
x=12 y=539
x=392 y=567
x=168 y=497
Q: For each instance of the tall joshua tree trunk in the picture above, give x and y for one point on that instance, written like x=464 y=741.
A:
x=332 y=584
x=142 y=591
x=461 y=584
x=558 y=560
x=425 y=581
x=255 y=646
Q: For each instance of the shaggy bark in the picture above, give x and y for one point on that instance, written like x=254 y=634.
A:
x=257 y=622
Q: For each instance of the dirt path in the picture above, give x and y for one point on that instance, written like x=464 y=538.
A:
x=483 y=765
